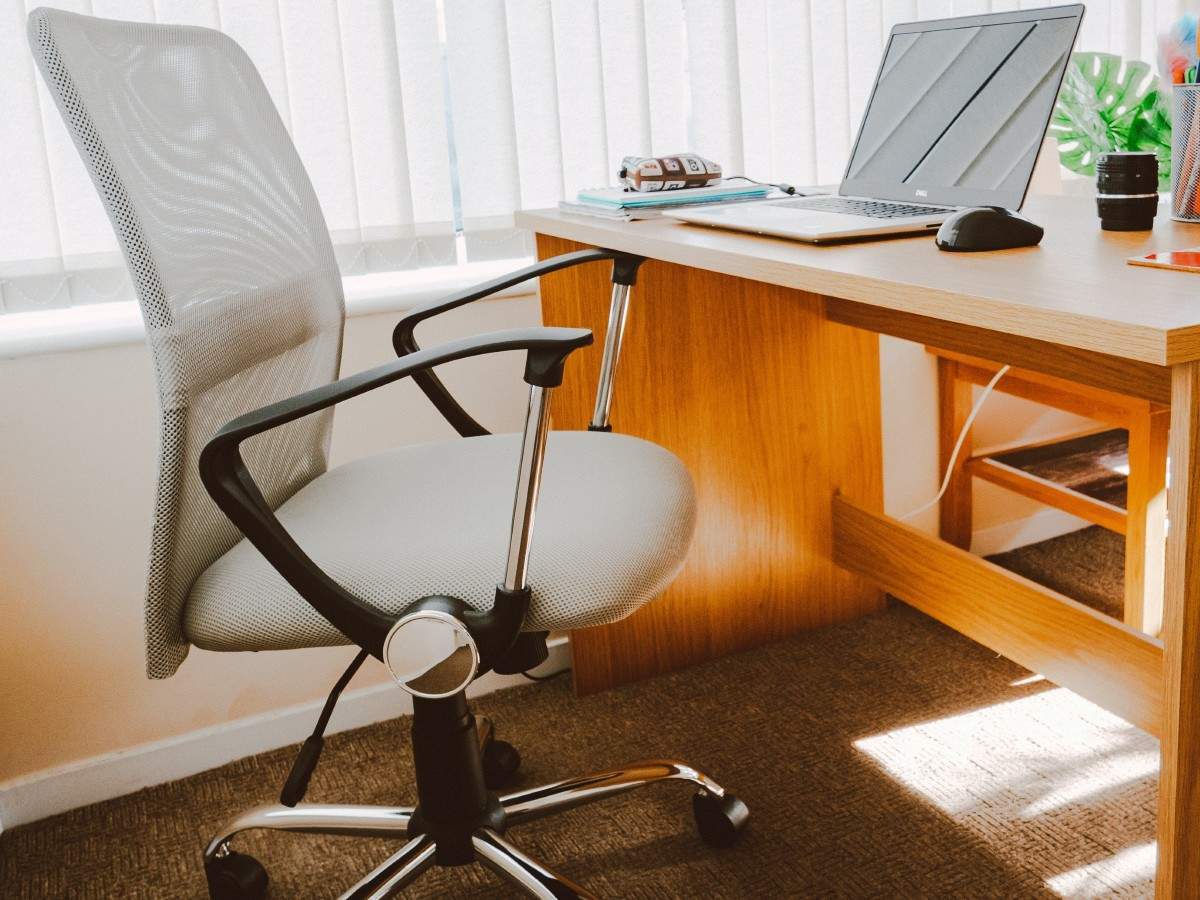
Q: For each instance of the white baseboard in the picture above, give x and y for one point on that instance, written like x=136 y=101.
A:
x=109 y=775
x=1041 y=526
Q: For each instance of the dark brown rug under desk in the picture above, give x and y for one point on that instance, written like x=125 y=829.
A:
x=889 y=757
x=1094 y=464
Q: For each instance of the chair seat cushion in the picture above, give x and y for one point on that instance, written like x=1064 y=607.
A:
x=613 y=524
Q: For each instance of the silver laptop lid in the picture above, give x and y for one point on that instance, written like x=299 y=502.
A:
x=960 y=107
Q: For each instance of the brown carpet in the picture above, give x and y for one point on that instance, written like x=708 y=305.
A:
x=1087 y=565
x=888 y=757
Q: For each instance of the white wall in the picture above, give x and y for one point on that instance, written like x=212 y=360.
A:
x=77 y=453
x=1002 y=519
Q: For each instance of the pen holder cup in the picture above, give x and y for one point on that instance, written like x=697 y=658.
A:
x=1185 y=153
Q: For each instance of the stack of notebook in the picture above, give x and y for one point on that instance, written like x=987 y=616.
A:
x=619 y=203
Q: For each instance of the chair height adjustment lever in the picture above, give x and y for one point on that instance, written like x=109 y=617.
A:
x=296 y=785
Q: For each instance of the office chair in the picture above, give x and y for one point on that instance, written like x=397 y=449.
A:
x=398 y=553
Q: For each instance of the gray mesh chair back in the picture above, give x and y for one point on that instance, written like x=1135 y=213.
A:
x=230 y=257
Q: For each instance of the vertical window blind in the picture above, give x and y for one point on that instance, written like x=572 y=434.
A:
x=425 y=123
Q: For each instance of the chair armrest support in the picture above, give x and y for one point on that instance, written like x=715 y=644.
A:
x=227 y=480
x=625 y=268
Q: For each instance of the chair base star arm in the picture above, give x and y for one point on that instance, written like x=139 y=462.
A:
x=459 y=823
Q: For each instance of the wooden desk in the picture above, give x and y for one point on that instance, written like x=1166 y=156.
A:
x=756 y=360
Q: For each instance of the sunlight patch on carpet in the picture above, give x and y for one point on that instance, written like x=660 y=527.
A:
x=1048 y=780
x=1127 y=868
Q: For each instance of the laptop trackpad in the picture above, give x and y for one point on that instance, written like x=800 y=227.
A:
x=781 y=217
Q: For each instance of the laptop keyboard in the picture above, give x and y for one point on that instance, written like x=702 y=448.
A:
x=872 y=208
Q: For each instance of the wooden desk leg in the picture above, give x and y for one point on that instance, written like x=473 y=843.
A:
x=1179 y=785
x=773 y=409
x=954 y=405
x=1145 y=530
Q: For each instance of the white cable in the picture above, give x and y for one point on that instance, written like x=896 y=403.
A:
x=958 y=445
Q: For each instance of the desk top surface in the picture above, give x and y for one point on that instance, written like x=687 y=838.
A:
x=1075 y=289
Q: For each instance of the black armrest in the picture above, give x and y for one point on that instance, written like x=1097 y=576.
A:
x=624 y=272
x=227 y=480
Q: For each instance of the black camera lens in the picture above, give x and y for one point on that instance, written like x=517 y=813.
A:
x=1127 y=190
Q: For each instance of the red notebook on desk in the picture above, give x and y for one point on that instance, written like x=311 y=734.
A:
x=1181 y=260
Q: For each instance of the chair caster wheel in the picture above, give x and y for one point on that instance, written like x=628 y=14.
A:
x=720 y=820
x=236 y=876
x=500 y=763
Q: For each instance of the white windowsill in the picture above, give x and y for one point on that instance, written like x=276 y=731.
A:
x=109 y=324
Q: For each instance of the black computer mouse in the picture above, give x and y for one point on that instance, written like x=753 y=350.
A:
x=987 y=228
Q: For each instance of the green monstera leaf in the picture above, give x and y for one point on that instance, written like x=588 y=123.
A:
x=1105 y=104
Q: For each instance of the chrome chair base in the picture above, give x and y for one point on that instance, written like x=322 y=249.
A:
x=719 y=815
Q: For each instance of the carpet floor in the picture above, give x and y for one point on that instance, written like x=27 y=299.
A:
x=887 y=757
x=1087 y=565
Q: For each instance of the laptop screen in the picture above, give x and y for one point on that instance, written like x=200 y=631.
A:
x=960 y=107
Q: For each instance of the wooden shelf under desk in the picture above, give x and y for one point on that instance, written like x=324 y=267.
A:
x=1131 y=503
x=1084 y=475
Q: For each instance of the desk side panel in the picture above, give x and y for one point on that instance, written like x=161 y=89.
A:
x=772 y=408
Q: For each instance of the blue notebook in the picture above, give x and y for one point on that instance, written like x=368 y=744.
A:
x=619 y=198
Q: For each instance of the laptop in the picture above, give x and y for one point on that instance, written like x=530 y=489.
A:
x=955 y=119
